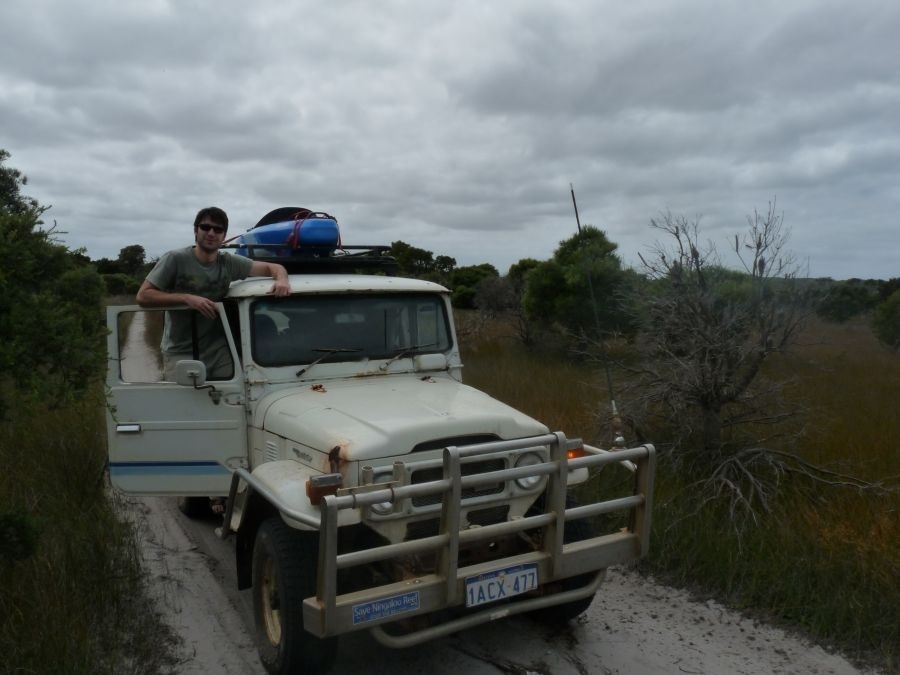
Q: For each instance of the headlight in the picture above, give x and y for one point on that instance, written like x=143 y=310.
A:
x=529 y=459
x=382 y=508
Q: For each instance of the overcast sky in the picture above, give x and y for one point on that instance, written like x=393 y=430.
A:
x=458 y=126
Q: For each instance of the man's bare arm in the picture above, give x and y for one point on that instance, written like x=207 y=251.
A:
x=282 y=285
x=149 y=295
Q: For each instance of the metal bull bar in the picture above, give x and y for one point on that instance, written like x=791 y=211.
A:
x=331 y=614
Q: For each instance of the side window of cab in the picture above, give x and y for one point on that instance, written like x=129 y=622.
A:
x=152 y=341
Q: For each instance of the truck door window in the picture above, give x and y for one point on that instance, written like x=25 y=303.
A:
x=152 y=341
x=140 y=356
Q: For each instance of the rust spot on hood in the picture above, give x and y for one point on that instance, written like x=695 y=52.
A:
x=336 y=459
x=319 y=388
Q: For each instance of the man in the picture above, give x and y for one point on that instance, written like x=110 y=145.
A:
x=198 y=276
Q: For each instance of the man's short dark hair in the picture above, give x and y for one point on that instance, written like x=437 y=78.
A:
x=213 y=213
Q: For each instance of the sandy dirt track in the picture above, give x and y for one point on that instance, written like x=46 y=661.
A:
x=633 y=626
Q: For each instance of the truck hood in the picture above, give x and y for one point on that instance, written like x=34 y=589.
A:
x=388 y=416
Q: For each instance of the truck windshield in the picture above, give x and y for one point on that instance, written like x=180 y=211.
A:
x=298 y=329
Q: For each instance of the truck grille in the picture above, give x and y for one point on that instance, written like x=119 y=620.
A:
x=432 y=526
x=426 y=475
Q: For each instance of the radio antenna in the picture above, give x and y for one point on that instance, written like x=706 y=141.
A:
x=615 y=420
x=578 y=222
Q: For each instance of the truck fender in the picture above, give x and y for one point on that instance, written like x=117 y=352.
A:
x=285 y=484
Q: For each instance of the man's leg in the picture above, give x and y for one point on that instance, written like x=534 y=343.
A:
x=169 y=361
x=219 y=365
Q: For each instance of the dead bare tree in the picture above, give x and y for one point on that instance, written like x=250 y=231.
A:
x=707 y=333
x=708 y=330
x=700 y=389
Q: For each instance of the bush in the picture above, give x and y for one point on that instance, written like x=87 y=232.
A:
x=886 y=321
x=120 y=284
x=845 y=300
x=50 y=313
x=72 y=592
x=580 y=288
x=463 y=297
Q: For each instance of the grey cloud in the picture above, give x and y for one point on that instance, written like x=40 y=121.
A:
x=458 y=126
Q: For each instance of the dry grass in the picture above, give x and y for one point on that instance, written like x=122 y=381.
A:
x=558 y=393
x=827 y=560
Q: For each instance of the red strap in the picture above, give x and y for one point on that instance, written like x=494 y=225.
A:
x=293 y=239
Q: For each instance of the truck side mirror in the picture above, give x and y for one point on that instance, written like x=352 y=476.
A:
x=190 y=373
x=193 y=374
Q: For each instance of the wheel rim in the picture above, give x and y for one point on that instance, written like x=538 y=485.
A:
x=271 y=614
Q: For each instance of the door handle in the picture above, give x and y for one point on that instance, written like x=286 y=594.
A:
x=128 y=428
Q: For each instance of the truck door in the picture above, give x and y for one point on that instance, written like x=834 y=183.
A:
x=165 y=438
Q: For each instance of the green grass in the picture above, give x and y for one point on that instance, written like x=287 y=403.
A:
x=827 y=560
x=77 y=603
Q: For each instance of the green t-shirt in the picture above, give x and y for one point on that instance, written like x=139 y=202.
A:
x=179 y=271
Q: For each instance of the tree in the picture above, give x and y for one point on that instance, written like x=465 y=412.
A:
x=886 y=288
x=411 y=260
x=443 y=268
x=707 y=332
x=120 y=284
x=419 y=263
x=580 y=287
x=502 y=297
x=465 y=282
x=846 y=299
x=105 y=266
x=53 y=344
x=132 y=259
x=886 y=321
x=518 y=273
x=11 y=183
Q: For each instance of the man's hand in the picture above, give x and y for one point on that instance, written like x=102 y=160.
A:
x=203 y=305
x=282 y=285
x=280 y=288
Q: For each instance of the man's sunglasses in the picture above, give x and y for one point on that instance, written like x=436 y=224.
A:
x=206 y=227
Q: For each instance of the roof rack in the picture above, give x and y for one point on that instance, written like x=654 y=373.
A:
x=345 y=260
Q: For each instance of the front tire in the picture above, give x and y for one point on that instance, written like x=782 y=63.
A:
x=284 y=573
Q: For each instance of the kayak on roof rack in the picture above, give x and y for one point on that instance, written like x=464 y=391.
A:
x=307 y=241
x=294 y=231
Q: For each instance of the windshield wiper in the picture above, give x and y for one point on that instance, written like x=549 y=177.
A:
x=404 y=351
x=328 y=352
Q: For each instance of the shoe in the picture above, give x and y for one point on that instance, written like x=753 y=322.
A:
x=217 y=505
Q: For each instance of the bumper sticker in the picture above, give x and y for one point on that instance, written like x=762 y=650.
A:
x=379 y=609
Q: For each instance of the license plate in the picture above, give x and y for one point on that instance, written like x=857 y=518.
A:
x=500 y=584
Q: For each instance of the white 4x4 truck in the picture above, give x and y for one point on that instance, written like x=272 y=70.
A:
x=367 y=486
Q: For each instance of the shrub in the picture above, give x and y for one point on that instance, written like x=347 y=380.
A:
x=886 y=321
x=845 y=300
x=50 y=299
x=120 y=284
